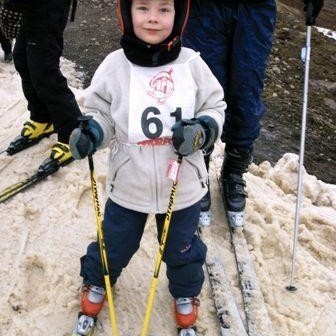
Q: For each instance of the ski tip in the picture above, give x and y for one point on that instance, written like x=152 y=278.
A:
x=4 y=151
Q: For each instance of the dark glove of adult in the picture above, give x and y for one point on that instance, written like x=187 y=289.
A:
x=84 y=141
x=194 y=134
x=312 y=9
x=10 y=21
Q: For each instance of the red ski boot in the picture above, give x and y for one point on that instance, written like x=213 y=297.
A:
x=92 y=303
x=92 y=300
x=186 y=310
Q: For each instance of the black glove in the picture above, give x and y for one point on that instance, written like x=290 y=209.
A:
x=194 y=134
x=10 y=21
x=85 y=139
x=312 y=9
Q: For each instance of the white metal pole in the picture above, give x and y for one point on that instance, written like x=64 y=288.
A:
x=305 y=55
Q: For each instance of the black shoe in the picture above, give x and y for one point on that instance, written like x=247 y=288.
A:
x=8 y=57
x=234 y=195
x=235 y=164
x=234 y=192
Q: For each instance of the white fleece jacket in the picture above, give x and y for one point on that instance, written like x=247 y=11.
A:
x=137 y=173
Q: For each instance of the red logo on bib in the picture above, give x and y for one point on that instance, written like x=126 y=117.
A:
x=162 y=86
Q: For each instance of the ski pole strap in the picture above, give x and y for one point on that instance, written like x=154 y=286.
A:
x=84 y=122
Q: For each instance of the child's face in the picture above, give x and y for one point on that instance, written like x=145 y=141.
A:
x=153 y=20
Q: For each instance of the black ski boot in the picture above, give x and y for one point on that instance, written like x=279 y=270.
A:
x=205 y=215
x=235 y=164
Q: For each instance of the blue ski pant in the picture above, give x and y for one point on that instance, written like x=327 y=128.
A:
x=184 y=254
x=234 y=38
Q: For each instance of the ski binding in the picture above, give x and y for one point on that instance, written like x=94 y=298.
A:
x=85 y=326
x=187 y=331
x=235 y=219
x=205 y=218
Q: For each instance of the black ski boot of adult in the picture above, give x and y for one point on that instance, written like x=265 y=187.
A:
x=235 y=164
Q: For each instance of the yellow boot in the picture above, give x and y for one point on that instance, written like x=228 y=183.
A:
x=31 y=133
x=34 y=130
x=61 y=153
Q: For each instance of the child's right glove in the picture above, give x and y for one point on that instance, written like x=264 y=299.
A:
x=84 y=140
x=190 y=135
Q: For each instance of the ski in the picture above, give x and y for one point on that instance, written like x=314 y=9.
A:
x=230 y=321
x=47 y=168
x=254 y=303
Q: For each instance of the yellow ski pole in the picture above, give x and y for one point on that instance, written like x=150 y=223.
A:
x=162 y=246
x=85 y=120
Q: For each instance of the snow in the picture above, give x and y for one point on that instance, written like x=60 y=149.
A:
x=45 y=230
x=327 y=32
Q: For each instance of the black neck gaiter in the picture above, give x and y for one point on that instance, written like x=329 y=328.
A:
x=147 y=55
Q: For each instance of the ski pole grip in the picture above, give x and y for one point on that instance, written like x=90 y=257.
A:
x=84 y=122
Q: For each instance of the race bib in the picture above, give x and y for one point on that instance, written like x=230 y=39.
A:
x=159 y=97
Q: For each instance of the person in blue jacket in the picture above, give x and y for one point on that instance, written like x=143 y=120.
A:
x=234 y=38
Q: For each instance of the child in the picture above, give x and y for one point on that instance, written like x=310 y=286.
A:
x=150 y=101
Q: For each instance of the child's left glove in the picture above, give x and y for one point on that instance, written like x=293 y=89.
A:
x=10 y=21
x=190 y=135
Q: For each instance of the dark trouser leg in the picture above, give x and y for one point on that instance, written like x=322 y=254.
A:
x=123 y=229
x=235 y=39
x=251 y=41
x=44 y=27
x=185 y=252
x=38 y=110
x=208 y=31
x=251 y=44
